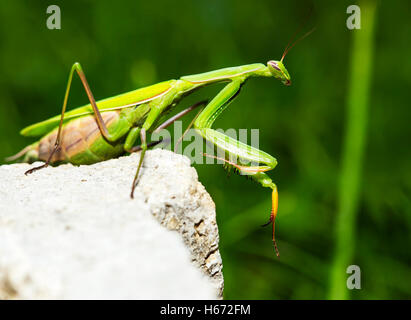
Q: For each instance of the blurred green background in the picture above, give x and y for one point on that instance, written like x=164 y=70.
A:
x=333 y=212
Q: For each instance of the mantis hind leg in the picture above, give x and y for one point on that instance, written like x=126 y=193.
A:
x=100 y=123
x=234 y=149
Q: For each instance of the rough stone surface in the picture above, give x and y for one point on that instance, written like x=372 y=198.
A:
x=71 y=232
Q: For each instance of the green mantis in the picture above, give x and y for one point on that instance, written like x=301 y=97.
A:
x=109 y=128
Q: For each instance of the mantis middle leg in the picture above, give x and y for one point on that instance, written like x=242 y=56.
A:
x=142 y=132
x=236 y=149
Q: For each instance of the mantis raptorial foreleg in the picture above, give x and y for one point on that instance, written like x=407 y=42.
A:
x=236 y=149
x=100 y=123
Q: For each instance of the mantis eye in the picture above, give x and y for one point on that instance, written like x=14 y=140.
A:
x=274 y=65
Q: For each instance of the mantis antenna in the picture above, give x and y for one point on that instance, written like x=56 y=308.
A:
x=291 y=43
x=288 y=48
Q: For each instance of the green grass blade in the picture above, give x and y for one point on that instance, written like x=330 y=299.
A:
x=353 y=152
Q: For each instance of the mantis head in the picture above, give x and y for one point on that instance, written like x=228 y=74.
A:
x=277 y=68
x=278 y=71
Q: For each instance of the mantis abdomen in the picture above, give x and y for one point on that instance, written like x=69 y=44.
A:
x=81 y=142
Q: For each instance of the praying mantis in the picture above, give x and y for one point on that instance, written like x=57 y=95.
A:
x=109 y=128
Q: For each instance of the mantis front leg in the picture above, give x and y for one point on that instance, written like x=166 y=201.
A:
x=236 y=149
